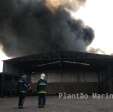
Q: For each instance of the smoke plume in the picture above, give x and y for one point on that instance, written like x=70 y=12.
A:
x=36 y=26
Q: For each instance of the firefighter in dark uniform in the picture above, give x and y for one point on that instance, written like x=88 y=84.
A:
x=41 y=89
x=22 y=90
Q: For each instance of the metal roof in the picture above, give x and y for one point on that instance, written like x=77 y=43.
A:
x=61 y=59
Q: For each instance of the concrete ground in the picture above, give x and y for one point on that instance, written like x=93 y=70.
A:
x=54 y=104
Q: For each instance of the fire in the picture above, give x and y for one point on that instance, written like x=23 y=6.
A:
x=52 y=5
x=3 y=56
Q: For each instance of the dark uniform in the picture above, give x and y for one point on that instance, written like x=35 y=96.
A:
x=22 y=91
x=41 y=90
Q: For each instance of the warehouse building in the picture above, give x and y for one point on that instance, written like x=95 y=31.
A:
x=66 y=72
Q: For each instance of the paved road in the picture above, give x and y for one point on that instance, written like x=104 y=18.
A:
x=54 y=104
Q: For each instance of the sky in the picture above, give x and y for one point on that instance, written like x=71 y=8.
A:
x=2 y=57
x=98 y=14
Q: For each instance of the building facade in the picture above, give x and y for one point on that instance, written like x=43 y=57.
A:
x=66 y=71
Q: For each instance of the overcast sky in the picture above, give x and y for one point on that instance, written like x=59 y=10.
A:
x=99 y=15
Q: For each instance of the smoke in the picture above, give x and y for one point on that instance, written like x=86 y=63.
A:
x=36 y=26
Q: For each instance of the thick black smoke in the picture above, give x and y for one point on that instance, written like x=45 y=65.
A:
x=28 y=27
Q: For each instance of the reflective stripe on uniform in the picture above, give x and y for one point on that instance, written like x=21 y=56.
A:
x=42 y=92
x=42 y=84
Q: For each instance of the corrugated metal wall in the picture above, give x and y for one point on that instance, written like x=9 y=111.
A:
x=69 y=80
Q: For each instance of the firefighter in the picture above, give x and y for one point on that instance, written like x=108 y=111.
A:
x=23 y=86
x=41 y=89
